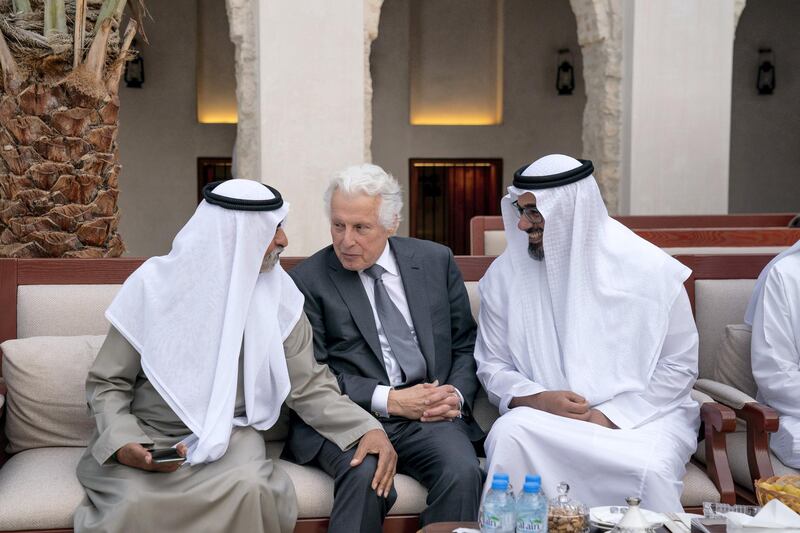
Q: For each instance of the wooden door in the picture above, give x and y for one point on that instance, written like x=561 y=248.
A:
x=447 y=193
x=212 y=169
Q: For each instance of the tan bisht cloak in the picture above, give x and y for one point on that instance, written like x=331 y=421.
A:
x=242 y=491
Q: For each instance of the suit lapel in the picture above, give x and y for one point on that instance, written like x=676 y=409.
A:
x=352 y=292
x=413 y=273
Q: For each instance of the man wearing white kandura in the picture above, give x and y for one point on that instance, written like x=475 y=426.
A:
x=774 y=314
x=587 y=345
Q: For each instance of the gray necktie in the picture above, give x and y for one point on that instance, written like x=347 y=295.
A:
x=397 y=332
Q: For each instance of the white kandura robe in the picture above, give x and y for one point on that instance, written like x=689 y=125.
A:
x=645 y=458
x=775 y=354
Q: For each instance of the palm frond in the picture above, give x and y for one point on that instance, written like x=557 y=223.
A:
x=55 y=18
x=22 y=6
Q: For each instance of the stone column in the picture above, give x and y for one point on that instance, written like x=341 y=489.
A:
x=313 y=103
x=244 y=35
x=679 y=58
x=600 y=37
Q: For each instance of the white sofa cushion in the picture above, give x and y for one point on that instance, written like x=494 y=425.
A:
x=39 y=489
x=718 y=302
x=733 y=359
x=46 y=400
x=697 y=487
x=63 y=309
x=494 y=242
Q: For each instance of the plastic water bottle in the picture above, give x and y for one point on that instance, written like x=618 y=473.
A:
x=534 y=477
x=497 y=511
x=531 y=509
x=510 y=491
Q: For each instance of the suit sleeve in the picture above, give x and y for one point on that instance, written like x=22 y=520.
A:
x=359 y=388
x=109 y=392
x=315 y=394
x=463 y=369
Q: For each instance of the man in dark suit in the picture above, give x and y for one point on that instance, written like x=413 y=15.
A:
x=391 y=318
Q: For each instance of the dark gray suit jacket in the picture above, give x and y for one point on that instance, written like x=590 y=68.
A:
x=346 y=338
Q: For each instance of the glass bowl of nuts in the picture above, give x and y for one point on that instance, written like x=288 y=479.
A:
x=566 y=515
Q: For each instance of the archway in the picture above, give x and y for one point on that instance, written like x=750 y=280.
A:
x=764 y=133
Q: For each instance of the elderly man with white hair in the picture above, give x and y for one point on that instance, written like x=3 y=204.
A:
x=392 y=320
x=205 y=346
x=587 y=345
x=774 y=314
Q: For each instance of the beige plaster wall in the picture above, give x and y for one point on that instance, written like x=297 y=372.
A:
x=765 y=130
x=159 y=136
x=536 y=121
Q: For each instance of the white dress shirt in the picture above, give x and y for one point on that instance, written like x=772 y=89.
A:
x=394 y=286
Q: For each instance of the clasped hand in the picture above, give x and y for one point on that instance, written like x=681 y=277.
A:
x=135 y=455
x=426 y=402
x=564 y=403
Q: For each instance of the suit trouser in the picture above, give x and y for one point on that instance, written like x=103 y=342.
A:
x=437 y=454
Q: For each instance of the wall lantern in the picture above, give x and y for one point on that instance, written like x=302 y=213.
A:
x=765 y=81
x=565 y=74
x=134 y=69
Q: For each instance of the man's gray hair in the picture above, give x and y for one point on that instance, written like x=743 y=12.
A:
x=373 y=181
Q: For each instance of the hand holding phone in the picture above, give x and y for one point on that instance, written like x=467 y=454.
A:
x=135 y=455
x=166 y=455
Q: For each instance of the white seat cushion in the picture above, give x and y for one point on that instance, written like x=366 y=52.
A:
x=39 y=489
x=314 y=489
x=697 y=488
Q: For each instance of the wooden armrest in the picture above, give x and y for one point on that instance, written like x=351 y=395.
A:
x=761 y=421
x=718 y=420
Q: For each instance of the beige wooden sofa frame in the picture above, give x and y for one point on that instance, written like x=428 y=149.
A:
x=717 y=419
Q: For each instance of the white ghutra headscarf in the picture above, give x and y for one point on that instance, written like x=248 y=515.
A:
x=593 y=315
x=191 y=313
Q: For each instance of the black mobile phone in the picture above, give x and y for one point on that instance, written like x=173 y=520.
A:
x=166 y=455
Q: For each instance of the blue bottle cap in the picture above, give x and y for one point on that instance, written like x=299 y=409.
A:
x=531 y=487
x=533 y=477
x=500 y=484
x=500 y=475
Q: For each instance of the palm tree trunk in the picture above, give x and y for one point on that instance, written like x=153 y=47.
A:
x=59 y=160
